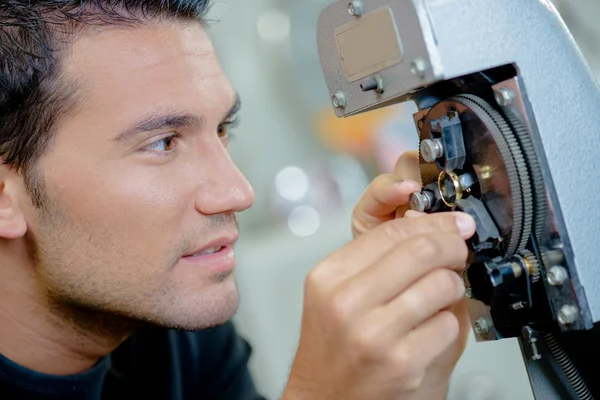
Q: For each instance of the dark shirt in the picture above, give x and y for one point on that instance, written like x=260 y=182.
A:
x=151 y=364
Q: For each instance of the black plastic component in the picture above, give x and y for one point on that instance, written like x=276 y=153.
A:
x=491 y=280
x=449 y=130
x=487 y=236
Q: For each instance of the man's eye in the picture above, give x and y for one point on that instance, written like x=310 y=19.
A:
x=224 y=129
x=165 y=144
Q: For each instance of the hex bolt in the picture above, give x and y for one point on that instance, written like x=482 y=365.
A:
x=421 y=201
x=431 y=149
x=356 y=8
x=418 y=67
x=557 y=275
x=504 y=96
x=339 y=100
x=482 y=327
x=567 y=315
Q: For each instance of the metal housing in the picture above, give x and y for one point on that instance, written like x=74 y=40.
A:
x=559 y=99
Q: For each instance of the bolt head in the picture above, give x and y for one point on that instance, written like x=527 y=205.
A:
x=482 y=327
x=355 y=8
x=557 y=275
x=418 y=67
x=429 y=150
x=504 y=96
x=339 y=100
x=536 y=357
x=567 y=315
x=418 y=202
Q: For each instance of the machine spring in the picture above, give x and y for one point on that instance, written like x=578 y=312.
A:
x=568 y=368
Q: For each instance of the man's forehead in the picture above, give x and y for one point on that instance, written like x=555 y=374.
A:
x=124 y=50
x=147 y=64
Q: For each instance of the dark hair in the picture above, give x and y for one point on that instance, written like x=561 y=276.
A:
x=32 y=94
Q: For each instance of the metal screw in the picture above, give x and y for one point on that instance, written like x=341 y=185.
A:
x=418 y=67
x=557 y=275
x=482 y=327
x=567 y=315
x=431 y=150
x=339 y=100
x=530 y=335
x=518 y=305
x=356 y=8
x=504 y=96
x=420 y=201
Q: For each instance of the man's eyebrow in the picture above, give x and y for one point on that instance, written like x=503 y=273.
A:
x=157 y=121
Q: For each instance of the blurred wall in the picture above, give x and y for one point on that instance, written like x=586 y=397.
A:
x=305 y=190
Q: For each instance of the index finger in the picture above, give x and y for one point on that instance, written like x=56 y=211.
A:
x=371 y=246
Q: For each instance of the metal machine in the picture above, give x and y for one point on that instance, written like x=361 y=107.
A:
x=509 y=125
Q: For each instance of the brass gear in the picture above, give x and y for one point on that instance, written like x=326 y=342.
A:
x=532 y=265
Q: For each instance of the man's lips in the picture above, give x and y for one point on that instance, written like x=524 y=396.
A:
x=214 y=246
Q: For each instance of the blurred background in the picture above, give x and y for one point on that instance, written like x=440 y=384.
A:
x=308 y=170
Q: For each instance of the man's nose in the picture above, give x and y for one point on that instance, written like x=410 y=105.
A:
x=225 y=189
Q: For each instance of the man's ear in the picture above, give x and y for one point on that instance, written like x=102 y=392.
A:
x=12 y=219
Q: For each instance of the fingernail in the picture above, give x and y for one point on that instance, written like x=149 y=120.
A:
x=407 y=185
x=465 y=224
x=413 y=214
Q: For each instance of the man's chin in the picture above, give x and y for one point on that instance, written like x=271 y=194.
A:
x=202 y=314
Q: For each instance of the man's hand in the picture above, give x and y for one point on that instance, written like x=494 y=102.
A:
x=377 y=321
x=387 y=196
x=385 y=199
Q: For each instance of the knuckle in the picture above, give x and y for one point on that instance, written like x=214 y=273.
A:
x=449 y=324
x=341 y=308
x=412 y=305
x=313 y=281
x=401 y=360
x=394 y=229
x=317 y=282
x=413 y=381
x=445 y=222
x=381 y=182
x=365 y=344
x=426 y=247
x=408 y=373
x=378 y=189
x=449 y=284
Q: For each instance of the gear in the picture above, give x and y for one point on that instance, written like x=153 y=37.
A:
x=540 y=202
x=532 y=264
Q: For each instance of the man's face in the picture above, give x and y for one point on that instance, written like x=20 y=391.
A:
x=138 y=179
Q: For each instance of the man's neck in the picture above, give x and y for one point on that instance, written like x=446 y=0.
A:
x=46 y=335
